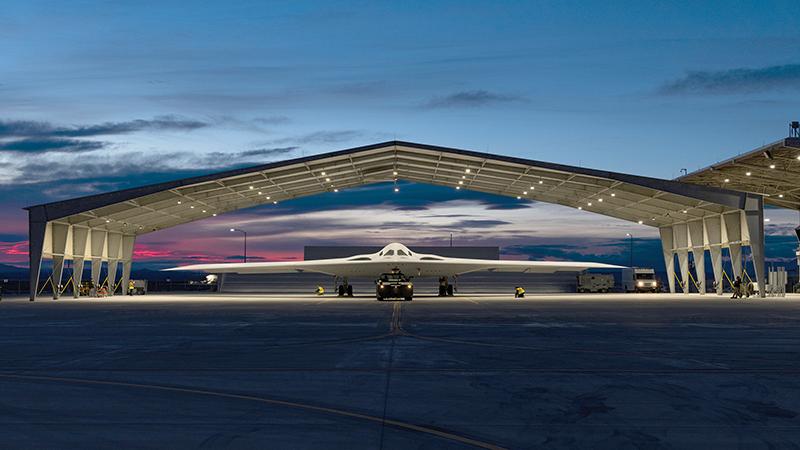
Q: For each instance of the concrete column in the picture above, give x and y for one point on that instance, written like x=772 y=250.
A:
x=716 y=264
x=77 y=275
x=681 y=240
x=754 y=218
x=683 y=260
x=114 y=242
x=37 y=226
x=128 y=242
x=669 y=256
x=80 y=237
x=713 y=226
x=733 y=228
x=58 y=232
x=699 y=253
x=736 y=260
x=97 y=244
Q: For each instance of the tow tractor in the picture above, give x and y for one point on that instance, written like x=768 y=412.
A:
x=394 y=285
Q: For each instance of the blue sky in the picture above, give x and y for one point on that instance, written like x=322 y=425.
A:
x=97 y=96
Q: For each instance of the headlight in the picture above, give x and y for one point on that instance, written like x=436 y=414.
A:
x=641 y=284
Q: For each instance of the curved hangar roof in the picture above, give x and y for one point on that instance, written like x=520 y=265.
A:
x=145 y=209
x=772 y=171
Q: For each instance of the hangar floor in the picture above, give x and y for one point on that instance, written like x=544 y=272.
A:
x=563 y=371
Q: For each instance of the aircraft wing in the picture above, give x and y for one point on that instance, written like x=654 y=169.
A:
x=459 y=266
x=323 y=266
x=424 y=267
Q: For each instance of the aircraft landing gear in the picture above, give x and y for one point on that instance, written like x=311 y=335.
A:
x=445 y=288
x=344 y=289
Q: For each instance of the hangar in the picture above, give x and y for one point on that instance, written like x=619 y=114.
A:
x=691 y=217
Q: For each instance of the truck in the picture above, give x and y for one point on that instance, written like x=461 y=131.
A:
x=595 y=282
x=640 y=279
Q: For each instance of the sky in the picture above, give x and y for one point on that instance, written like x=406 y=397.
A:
x=99 y=96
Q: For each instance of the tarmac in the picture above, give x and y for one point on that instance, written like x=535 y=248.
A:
x=303 y=372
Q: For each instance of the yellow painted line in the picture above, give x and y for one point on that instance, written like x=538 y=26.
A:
x=296 y=405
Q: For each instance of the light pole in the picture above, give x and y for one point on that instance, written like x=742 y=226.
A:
x=245 y=241
x=631 y=254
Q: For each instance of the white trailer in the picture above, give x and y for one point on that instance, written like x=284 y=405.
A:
x=595 y=282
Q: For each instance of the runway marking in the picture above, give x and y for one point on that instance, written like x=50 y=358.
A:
x=296 y=405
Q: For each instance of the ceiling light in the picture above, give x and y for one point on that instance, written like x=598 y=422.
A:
x=397 y=189
x=275 y=203
x=251 y=187
x=204 y=210
x=613 y=194
x=214 y=215
x=780 y=195
x=460 y=182
x=192 y=207
x=259 y=192
x=640 y=222
x=685 y=211
x=766 y=220
x=532 y=188
x=327 y=179
x=179 y=202
x=590 y=203
x=772 y=166
x=463 y=177
x=748 y=173
x=524 y=192
x=653 y=219
x=599 y=199
x=727 y=180
x=335 y=190
x=268 y=197
x=108 y=221
x=458 y=187
x=580 y=207
x=541 y=182
x=322 y=173
x=394 y=173
x=469 y=170
x=233 y=229
x=798 y=157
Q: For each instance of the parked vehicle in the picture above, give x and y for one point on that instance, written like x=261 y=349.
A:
x=640 y=279
x=595 y=282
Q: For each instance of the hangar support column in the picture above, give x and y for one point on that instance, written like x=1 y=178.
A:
x=699 y=253
x=681 y=240
x=733 y=228
x=754 y=218
x=98 y=242
x=667 y=245
x=80 y=237
x=713 y=227
x=114 y=242
x=59 y=233
x=37 y=226
x=128 y=242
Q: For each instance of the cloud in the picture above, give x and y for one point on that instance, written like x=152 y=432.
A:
x=266 y=152
x=26 y=128
x=321 y=137
x=26 y=136
x=735 y=81
x=43 y=145
x=470 y=99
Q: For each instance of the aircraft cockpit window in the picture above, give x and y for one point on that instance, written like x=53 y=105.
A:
x=401 y=253
x=389 y=253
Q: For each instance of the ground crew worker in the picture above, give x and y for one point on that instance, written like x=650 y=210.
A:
x=519 y=292
x=320 y=290
x=737 y=288
x=131 y=287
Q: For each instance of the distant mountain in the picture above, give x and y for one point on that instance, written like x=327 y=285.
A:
x=9 y=271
